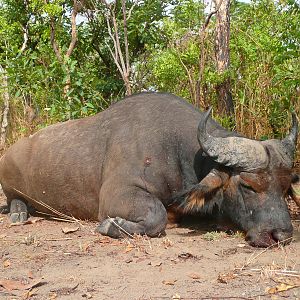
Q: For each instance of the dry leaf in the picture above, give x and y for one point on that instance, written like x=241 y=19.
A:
x=67 y=230
x=6 y=263
x=156 y=263
x=52 y=296
x=226 y=277
x=194 y=275
x=105 y=240
x=30 y=275
x=293 y=280
x=33 y=220
x=30 y=293
x=28 y=222
x=186 y=255
x=282 y=287
x=129 y=248
x=11 y=285
x=87 y=295
x=169 y=282
x=167 y=243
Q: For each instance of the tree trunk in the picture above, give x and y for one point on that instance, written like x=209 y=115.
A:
x=5 y=111
x=225 y=103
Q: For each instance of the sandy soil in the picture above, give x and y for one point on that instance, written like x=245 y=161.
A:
x=47 y=259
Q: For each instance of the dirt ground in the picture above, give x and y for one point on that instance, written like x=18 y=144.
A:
x=48 y=259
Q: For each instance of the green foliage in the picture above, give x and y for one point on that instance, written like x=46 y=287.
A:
x=265 y=49
x=214 y=235
x=164 y=50
x=264 y=72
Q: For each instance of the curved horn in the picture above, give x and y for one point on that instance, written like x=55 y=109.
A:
x=290 y=141
x=232 y=151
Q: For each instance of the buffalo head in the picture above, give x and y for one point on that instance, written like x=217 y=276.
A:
x=249 y=183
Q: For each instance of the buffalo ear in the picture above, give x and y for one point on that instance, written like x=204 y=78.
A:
x=295 y=188
x=207 y=192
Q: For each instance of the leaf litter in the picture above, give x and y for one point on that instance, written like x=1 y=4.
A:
x=20 y=285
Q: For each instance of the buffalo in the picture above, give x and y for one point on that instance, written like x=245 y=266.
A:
x=144 y=157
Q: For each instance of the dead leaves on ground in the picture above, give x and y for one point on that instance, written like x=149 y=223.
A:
x=155 y=263
x=284 y=284
x=11 y=285
x=129 y=247
x=195 y=276
x=187 y=255
x=169 y=282
x=28 y=222
x=67 y=230
x=6 y=263
x=226 y=277
x=282 y=287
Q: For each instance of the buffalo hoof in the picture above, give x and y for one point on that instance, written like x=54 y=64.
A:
x=112 y=227
x=18 y=211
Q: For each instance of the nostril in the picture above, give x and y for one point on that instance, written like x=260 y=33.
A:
x=282 y=236
x=250 y=237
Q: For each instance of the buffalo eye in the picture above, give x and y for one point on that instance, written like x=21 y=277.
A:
x=295 y=178
x=256 y=182
x=247 y=187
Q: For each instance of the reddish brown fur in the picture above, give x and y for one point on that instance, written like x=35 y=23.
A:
x=195 y=200
x=175 y=214
x=210 y=184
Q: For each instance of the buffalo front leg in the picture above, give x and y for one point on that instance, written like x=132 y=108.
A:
x=18 y=211
x=131 y=213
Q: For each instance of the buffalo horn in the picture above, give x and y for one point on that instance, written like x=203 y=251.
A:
x=290 y=140
x=232 y=151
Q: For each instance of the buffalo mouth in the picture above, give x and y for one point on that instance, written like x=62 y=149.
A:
x=264 y=239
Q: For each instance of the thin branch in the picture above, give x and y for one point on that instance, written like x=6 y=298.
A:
x=115 y=56
x=201 y=65
x=119 y=50
x=125 y=36
x=119 y=227
x=207 y=20
x=115 y=59
x=192 y=86
x=74 y=31
x=25 y=32
x=119 y=55
x=26 y=37
x=73 y=41
x=131 y=9
x=53 y=41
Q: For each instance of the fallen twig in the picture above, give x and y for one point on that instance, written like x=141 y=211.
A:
x=61 y=239
x=252 y=259
x=56 y=218
x=288 y=272
x=64 y=216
